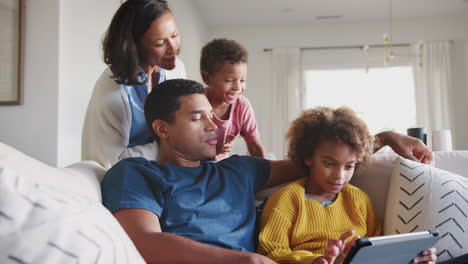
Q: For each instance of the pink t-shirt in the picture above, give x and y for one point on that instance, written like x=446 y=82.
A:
x=241 y=121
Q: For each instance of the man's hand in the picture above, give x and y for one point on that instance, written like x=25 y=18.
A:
x=427 y=257
x=337 y=249
x=405 y=146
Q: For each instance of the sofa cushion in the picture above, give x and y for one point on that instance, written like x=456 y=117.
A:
x=374 y=180
x=81 y=178
x=421 y=197
x=41 y=224
x=453 y=161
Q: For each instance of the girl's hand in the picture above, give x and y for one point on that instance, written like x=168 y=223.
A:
x=427 y=256
x=337 y=249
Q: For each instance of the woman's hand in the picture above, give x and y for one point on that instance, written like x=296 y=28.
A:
x=405 y=146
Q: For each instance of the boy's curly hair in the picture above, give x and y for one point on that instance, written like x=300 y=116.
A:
x=317 y=125
x=218 y=51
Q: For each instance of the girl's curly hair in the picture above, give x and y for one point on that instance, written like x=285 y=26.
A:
x=317 y=125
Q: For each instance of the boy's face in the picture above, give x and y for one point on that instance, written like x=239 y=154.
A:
x=228 y=82
x=331 y=167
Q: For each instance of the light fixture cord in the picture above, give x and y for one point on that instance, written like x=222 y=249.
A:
x=391 y=24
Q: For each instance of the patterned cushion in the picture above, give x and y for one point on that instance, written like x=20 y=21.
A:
x=425 y=198
x=40 y=224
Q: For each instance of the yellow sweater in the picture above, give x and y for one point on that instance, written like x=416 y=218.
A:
x=295 y=229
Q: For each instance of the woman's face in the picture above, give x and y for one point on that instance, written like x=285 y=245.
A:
x=160 y=44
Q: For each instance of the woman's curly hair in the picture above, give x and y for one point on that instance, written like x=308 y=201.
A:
x=320 y=124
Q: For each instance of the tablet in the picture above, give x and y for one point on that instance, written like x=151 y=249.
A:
x=391 y=249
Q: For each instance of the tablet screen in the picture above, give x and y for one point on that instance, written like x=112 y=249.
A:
x=401 y=248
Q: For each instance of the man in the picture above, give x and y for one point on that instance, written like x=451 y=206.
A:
x=183 y=209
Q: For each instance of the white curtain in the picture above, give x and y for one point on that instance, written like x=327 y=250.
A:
x=285 y=93
x=433 y=82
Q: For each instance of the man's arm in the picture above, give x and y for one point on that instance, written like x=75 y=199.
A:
x=408 y=147
x=405 y=146
x=282 y=171
x=155 y=246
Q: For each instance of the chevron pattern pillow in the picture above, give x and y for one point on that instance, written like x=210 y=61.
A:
x=40 y=224
x=422 y=197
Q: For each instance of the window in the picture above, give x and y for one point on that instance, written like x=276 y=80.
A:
x=383 y=97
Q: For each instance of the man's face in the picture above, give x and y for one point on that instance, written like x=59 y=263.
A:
x=192 y=135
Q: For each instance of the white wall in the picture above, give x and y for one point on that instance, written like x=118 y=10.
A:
x=82 y=27
x=193 y=35
x=256 y=38
x=32 y=127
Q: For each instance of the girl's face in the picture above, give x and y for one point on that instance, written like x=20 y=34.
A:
x=331 y=167
x=228 y=82
x=160 y=44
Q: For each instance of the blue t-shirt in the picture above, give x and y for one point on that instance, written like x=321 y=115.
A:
x=213 y=204
x=140 y=133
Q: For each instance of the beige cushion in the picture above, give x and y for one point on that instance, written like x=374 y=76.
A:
x=375 y=180
x=421 y=197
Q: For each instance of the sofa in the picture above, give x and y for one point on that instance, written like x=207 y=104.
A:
x=55 y=215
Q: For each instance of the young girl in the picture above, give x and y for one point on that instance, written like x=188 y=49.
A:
x=223 y=66
x=310 y=220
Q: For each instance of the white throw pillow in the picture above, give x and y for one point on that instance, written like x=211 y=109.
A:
x=422 y=197
x=40 y=224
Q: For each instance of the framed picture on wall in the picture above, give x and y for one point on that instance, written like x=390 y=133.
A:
x=11 y=52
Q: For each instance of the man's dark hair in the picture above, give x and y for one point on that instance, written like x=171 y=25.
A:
x=120 y=45
x=218 y=51
x=163 y=101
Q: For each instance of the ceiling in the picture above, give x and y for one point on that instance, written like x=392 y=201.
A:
x=290 y=12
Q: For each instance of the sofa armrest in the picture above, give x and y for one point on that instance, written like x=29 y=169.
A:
x=453 y=161
x=80 y=178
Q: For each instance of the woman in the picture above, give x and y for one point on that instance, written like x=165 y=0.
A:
x=140 y=48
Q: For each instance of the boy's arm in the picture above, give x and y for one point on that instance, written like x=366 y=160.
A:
x=144 y=229
x=256 y=148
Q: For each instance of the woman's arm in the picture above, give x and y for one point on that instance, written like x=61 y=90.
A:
x=106 y=129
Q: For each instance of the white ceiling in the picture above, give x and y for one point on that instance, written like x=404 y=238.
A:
x=290 y=12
